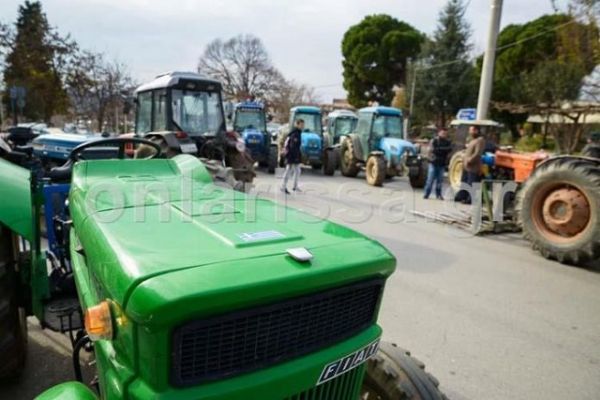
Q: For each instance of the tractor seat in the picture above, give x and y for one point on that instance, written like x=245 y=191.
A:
x=61 y=174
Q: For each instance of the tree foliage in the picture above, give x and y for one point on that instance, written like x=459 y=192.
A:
x=96 y=86
x=35 y=57
x=242 y=65
x=375 y=54
x=544 y=61
x=446 y=76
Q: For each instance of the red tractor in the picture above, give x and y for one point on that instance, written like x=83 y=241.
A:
x=557 y=201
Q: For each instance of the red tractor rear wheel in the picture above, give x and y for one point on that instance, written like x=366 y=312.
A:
x=558 y=208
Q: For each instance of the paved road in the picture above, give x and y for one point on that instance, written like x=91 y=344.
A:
x=489 y=317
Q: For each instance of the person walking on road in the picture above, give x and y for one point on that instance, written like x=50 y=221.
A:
x=293 y=156
x=439 y=149
x=472 y=163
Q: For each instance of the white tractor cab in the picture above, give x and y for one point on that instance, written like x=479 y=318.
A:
x=182 y=112
x=459 y=134
x=340 y=123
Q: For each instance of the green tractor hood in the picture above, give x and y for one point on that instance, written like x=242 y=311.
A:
x=15 y=192
x=158 y=234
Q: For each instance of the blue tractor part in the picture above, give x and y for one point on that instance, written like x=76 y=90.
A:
x=315 y=146
x=56 y=147
x=249 y=120
x=378 y=146
x=340 y=123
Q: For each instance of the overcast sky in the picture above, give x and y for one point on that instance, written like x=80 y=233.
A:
x=303 y=37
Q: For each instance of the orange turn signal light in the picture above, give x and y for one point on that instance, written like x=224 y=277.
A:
x=98 y=321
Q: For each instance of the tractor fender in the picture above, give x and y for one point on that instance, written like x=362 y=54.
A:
x=15 y=192
x=68 y=391
x=358 y=152
x=551 y=160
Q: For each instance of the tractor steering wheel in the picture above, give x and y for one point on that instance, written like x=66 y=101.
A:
x=77 y=152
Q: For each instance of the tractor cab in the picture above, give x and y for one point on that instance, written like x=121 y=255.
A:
x=467 y=117
x=382 y=129
x=183 y=108
x=379 y=146
x=340 y=123
x=312 y=136
x=182 y=112
x=250 y=121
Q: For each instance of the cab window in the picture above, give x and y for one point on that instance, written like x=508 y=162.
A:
x=144 y=114
x=364 y=124
x=160 y=111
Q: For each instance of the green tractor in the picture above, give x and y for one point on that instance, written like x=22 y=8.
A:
x=180 y=288
x=378 y=146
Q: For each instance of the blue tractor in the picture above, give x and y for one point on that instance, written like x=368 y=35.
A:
x=378 y=146
x=249 y=120
x=317 y=149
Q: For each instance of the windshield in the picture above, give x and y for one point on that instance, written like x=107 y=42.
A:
x=312 y=122
x=344 y=126
x=387 y=126
x=197 y=113
x=248 y=119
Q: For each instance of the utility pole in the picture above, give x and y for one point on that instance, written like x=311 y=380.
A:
x=487 y=73
x=412 y=98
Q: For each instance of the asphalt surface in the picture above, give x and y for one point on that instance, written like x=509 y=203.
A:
x=490 y=318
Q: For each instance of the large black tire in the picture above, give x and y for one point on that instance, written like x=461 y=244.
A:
x=272 y=163
x=392 y=374
x=13 y=326
x=419 y=180
x=348 y=162
x=375 y=170
x=558 y=209
x=455 y=170
x=331 y=162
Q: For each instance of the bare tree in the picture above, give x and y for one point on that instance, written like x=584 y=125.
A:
x=98 y=86
x=242 y=65
x=289 y=94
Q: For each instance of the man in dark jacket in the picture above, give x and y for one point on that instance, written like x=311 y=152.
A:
x=293 y=156
x=439 y=149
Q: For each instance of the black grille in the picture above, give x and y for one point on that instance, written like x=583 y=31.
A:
x=246 y=340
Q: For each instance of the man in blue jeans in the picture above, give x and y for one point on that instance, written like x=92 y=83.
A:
x=439 y=149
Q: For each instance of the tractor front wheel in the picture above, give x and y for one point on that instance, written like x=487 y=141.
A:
x=558 y=208
x=13 y=326
x=375 y=170
x=348 y=162
x=331 y=161
x=418 y=180
x=392 y=374
x=455 y=170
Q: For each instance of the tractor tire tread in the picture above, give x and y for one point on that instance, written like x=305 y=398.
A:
x=399 y=376
x=13 y=328
x=567 y=168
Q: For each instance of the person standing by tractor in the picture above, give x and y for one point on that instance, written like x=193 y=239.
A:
x=293 y=156
x=439 y=149
x=472 y=163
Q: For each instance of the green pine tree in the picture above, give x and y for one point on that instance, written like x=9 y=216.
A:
x=30 y=63
x=446 y=77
